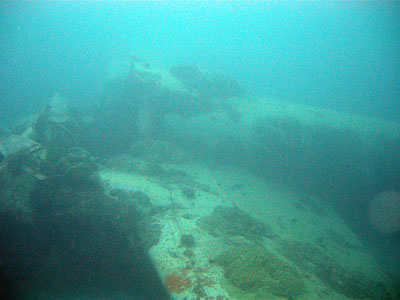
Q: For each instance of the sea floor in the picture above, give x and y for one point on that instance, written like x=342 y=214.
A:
x=213 y=217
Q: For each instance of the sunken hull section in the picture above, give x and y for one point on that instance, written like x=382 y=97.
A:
x=187 y=188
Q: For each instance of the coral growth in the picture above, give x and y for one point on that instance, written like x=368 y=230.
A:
x=255 y=270
x=231 y=221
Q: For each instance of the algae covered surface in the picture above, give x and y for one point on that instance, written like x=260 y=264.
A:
x=231 y=221
x=257 y=271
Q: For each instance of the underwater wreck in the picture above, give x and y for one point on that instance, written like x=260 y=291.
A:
x=182 y=186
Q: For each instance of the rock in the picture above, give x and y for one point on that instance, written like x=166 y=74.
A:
x=59 y=110
x=15 y=144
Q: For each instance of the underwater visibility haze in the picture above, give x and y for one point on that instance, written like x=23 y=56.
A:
x=342 y=56
x=200 y=150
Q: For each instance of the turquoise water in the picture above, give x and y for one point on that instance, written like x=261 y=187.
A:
x=337 y=55
x=277 y=115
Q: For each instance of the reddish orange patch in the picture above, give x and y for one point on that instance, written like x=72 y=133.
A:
x=176 y=283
